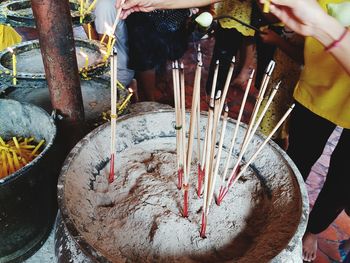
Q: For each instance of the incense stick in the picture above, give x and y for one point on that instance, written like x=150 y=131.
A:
x=198 y=118
x=227 y=83
x=207 y=163
x=233 y=177
x=259 y=100
x=183 y=141
x=215 y=79
x=253 y=131
x=178 y=126
x=119 y=11
x=240 y=114
x=212 y=94
x=218 y=157
x=253 y=157
x=195 y=102
x=183 y=121
x=113 y=112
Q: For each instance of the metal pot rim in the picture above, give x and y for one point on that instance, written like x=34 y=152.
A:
x=48 y=145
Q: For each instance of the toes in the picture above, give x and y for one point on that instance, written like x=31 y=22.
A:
x=313 y=256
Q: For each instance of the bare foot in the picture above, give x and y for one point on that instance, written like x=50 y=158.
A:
x=309 y=247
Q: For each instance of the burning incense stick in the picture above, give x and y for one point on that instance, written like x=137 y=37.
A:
x=119 y=11
x=113 y=112
x=240 y=114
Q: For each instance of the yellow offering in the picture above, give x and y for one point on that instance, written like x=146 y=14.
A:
x=16 y=153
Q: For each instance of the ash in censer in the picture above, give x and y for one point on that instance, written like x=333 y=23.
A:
x=138 y=217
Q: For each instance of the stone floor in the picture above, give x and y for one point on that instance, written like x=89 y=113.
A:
x=340 y=229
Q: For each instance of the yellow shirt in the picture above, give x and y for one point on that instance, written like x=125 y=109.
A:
x=241 y=9
x=8 y=37
x=324 y=86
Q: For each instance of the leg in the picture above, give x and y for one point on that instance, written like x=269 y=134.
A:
x=333 y=197
x=308 y=136
x=147 y=84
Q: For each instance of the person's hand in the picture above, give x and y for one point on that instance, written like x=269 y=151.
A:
x=301 y=16
x=269 y=37
x=130 y=6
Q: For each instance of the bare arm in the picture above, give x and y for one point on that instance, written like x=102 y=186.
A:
x=295 y=52
x=307 y=18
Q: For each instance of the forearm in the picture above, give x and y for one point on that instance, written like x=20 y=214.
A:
x=176 y=4
x=329 y=30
